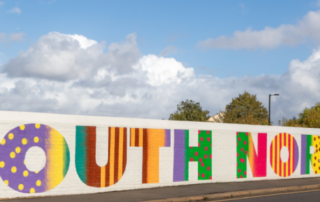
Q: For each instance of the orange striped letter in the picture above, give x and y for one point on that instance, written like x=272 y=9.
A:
x=150 y=140
x=89 y=172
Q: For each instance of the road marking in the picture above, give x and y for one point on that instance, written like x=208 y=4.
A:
x=285 y=193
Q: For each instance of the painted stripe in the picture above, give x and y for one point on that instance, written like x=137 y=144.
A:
x=107 y=177
x=144 y=132
x=179 y=156
x=288 y=141
x=93 y=171
x=116 y=155
x=120 y=153
x=271 y=155
x=66 y=158
x=274 y=153
x=124 y=159
x=305 y=156
x=81 y=154
x=132 y=137
x=167 y=142
x=286 y=163
x=294 y=160
x=141 y=136
x=250 y=154
x=156 y=139
x=136 y=132
x=278 y=155
x=55 y=153
x=112 y=155
x=291 y=155
x=186 y=143
x=103 y=176
x=281 y=146
x=279 y=152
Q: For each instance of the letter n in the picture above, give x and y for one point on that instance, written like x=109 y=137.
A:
x=246 y=148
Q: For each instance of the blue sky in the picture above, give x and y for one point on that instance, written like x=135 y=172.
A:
x=168 y=30
x=159 y=24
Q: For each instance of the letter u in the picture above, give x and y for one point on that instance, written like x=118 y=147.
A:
x=89 y=172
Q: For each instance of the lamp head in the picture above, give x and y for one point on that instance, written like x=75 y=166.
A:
x=276 y=94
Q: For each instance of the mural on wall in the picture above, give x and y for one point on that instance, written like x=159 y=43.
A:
x=183 y=154
x=14 y=146
x=306 y=157
x=245 y=148
x=284 y=169
x=89 y=172
x=150 y=140
x=17 y=141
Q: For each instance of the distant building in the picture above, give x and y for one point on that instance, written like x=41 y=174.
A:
x=217 y=118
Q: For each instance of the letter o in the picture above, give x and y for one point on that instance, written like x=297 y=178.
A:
x=280 y=168
x=13 y=149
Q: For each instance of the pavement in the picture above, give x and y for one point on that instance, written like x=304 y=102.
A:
x=197 y=192
x=299 y=196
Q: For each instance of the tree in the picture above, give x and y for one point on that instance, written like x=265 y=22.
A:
x=294 y=122
x=245 y=109
x=189 y=111
x=308 y=118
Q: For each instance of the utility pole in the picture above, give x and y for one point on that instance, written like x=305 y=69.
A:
x=270 y=105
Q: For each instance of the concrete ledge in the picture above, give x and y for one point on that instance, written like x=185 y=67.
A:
x=239 y=194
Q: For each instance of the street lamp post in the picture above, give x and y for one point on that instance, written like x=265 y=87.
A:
x=270 y=104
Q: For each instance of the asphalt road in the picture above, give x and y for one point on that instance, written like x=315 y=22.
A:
x=305 y=196
x=174 y=191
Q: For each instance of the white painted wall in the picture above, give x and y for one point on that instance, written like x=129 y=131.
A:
x=223 y=150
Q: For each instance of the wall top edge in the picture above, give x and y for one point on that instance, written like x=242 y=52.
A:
x=37 y=117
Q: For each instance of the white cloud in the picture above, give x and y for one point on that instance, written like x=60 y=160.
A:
x=169 y=50
x=15 y=10
x=13 y=37
x=146 y=86
x=83 y=41
x=1 y=3
x=308 y=28
x=64 y=57
x=162 y=70
x=16 y=36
